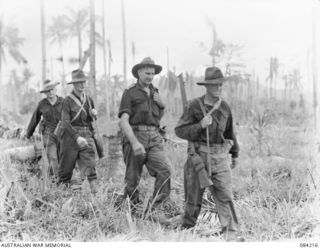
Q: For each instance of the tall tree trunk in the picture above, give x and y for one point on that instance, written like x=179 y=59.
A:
x=105 y=62
x=1 y=92
x=124 y=40
x=92 y=50
x=133 y=50
x=314 y=67
x=62 y=66
x=270 y=77
x=79 y=46
x=43 y=42
x=109 y=59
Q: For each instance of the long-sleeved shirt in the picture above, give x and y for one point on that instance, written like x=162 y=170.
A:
x=51 y=115
x=70 y=109
x=189 y=125
x=140 y=107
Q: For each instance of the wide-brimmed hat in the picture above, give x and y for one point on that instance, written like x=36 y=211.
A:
x=146 y=62
x=213 y=76
x=48 y=85
x=77 y=76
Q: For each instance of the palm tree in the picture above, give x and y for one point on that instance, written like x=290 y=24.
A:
x=76 y=22
x=93 y=49
x=124 y=40
x=58 y=32
x=43 y=41
x=273 y=72
x=10 y=43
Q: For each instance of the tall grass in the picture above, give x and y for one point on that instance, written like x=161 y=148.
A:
x=276 y=196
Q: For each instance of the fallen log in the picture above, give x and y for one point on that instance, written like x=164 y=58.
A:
x=23 y=153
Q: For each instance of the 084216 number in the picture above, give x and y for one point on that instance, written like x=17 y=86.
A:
x=304 y=245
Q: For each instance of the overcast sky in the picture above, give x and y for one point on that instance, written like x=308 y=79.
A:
x=265 y=28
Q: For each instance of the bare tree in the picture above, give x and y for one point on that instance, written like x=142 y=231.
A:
x=93 y=49
x=43 y=41
x=314 y=67
x=124 y=40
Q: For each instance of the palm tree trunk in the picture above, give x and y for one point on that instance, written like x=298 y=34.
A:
x=314 y=68
x=43 y=42
x=1 y=92
x=124 y=40
x=105 y=62
x=79 y=46
x=93 y=50
x=62 y=66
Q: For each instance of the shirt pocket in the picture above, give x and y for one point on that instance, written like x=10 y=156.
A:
x=223 y=120
x=139 y=105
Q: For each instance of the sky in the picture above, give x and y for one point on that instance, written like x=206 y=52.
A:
x=264 y=28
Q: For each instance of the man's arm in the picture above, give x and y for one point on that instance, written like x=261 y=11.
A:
x=35 y=119
x=188 y=127
x=137 y=147
x=229 y=134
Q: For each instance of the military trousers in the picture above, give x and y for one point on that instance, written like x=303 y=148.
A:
x=51 y=145
x=221 y=191
x=155 y=161
x=71 y=153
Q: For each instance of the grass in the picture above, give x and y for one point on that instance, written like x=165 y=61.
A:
x=276 y=195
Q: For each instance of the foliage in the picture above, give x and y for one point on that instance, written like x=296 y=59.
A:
x=10 y=41
x=262 y=120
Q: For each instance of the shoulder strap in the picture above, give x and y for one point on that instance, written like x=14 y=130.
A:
x=210 y=112
x=77 y=101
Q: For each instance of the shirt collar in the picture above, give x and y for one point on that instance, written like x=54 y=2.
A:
x=151 y=87
x=208 y=101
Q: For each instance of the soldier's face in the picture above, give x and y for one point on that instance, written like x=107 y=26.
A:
x=79 y=87
x=146 y=75
x=51 y=93
x=214 y=90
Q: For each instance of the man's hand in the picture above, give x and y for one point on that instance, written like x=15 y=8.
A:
x=234 y=163
x=94 y=112
x=157 y=99
x=82 y=142
x=138 y=149
x=206 y=121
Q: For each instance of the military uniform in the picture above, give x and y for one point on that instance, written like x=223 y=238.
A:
x=51 y=115
x=221 y=134
x=145 y=115
x=71 y=130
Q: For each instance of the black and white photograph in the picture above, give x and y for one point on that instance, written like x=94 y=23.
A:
x=159 y=121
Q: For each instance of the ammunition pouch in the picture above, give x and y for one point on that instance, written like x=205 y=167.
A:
x=99 y=145
x=58 y=130
x=200 y=168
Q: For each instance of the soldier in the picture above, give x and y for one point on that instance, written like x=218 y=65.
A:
x=77 y=144
x=141 y=110
x=50 y=110
x=207 y=123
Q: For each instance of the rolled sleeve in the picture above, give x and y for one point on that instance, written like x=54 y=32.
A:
x=188 y=127
x=125 y=104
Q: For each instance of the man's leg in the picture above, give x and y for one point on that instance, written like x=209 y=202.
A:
x=87 y=162
x=193 y=195
x=52 y=154
x=222 y=194
x=158 y=167
x=68 y=156
x=133 y=172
